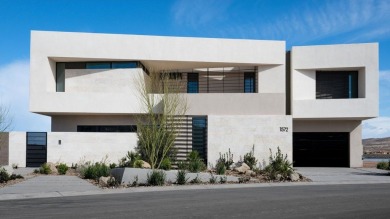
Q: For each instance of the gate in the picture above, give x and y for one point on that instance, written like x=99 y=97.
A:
x=36 y=149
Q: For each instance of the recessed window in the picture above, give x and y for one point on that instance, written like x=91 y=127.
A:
x=124 y=65
x=106 y=128
x=193 y=83
x=336 y=84
x=98 y=65
x=249 y=82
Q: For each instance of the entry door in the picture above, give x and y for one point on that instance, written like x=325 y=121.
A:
x=36 y=149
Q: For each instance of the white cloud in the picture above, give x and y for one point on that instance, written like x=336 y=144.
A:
x=384 y=75
x=376 y=128
x=196 y=13
x=14 y=92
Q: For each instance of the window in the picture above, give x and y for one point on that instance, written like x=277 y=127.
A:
x=249 y=82
x=124 y=65
x=98 y=65
x=336 y=84
x=106 y=128
x=60 y=77
x=193 y=83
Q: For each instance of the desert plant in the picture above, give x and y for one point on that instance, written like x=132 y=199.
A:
x=278 y=165
x=181 y=177
x=15 y=166
x=4 y=176
x=213 y=179
x=196 y=180
x=16 y=176
x=45 y=169
x=130 y=159
x=220 y=167
x=250 y=159
x=138 y=164
x=112 y=165
x=74 y=166
x=166 y=164
x=157 y=130
x=95 y=171
x=195 y=163
x=226 y=158
x=244 y=179
x=382 y=165
x=36 y=171
x=223 y=179
x=62 y=168
x=156 y=178
x=135 y=182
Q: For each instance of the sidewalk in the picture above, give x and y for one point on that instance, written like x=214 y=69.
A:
x=60 y=186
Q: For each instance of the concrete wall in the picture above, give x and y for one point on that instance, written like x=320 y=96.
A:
x=4 y=151
x=17 y=148
x=240 y=133
x=306 y=60
x=76 y=146
x=352 y=126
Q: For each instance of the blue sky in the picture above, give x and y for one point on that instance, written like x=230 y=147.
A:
x=306 y=22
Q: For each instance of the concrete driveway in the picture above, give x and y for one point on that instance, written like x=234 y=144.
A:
x=345 y=175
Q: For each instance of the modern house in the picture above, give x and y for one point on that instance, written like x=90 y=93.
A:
x=309 y=101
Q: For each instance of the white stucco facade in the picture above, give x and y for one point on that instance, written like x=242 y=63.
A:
x=279 y=102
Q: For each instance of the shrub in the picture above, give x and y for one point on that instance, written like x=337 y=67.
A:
x=4 y=176
x=382 y=165
x=36 y=171
x=166 y=164
x=213 y=179
x=138 y=164
x=244 y=179
x=278 y=164
x=130 y=159
x=181 y=177
x=226 y=158
x=250 y=159
x=112 y=165
x=223 y=179
x=196 y=180
x=45 y=169
x=95 y=171
x=220 y=167
x=195 y=163
x=74 y=166
x=62 y=168
x=14 y=176
x=135 y=182
x=156 y=178
x=15 y=166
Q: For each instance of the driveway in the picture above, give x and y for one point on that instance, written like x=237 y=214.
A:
x=345 y=175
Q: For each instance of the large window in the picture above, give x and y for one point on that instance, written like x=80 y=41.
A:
x=336 y=84
x=193 y=83
x=249 y=82
x=106 y=128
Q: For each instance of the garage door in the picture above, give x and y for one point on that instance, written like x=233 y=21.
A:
x=319 y=149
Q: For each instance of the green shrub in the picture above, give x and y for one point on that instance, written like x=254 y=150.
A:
x=220 y=167
x=223 y=179
x=130 y=159
x=14 y=176
x=156 y=178
x=112 y=165
x=45 y=169
x=278 y=164
x=181 y=177
x=95 y=171
x=166 y=164
x=4 y=176
x=135 y=182
x=196 y=180
x=250 y=159
x=36 y=171
x=195 y=163
x=138 y=164
x=74 y=166
x=213 y=179
x=226 y=159
x=382 y=165
x=62 y=168
x=244 y=179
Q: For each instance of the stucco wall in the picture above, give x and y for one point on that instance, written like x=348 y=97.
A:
x=240 y=133
x=353 y=127
x=306 y=60
x=17 y=148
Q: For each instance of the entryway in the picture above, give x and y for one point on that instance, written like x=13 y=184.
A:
x=36 y=149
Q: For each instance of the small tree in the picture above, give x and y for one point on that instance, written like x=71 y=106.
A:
x=164 y=108
x=5 y=121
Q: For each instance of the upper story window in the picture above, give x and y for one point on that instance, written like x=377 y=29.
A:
x=336 y=84
x=98 y=65
x=193 y=83
x=106 y=128
x=249 y=82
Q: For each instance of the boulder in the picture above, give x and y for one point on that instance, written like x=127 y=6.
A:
x=145 y=165
x=106 y=181
x=294 y=176
x=249 y=172
x=243 y=168
x=278 y=177
x=53 y=168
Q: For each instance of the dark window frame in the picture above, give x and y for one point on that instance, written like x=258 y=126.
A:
x=106 y=128
x=337 y=84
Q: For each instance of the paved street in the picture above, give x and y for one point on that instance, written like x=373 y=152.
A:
x=327 y=201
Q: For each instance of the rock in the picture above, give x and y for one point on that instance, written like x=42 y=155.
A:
x=294 y=176
x=145 y=165
x=243 y=168
x=249 y=172
x=53 y=168
x=9 y=169
x=106 y=181
x=253 y=174
x=278 y=177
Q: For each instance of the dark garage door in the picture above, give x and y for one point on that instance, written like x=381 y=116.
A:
x=319 y=149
